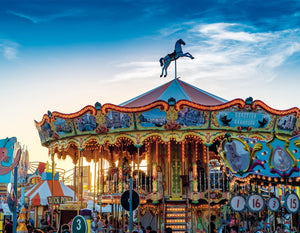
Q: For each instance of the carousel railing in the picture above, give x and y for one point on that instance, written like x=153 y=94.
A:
x=141 y=181
x=218 y=180
x=113 y=183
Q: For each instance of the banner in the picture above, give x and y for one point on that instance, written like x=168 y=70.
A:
x=10 y=154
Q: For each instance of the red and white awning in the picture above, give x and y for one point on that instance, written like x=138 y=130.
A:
x=39 y=193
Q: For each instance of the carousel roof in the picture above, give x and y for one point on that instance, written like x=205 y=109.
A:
x=177 y=89
x=39 y=193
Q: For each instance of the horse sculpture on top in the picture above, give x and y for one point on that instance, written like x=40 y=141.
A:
x=165 y=61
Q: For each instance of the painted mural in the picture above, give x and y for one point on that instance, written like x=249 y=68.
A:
x=287 y=122
x=153 y=118
x=237 y=157
x=86 y=123
x=63 y=126
x=275 y=158
x=281 y=160
x=45 y=132
x=243 y=119
x=191 y=117
x=117 y=120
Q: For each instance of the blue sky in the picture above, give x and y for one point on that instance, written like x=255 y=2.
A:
x=64 y=55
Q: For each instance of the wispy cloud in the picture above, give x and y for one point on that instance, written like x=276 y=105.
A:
x=47 y=18
x=226 y=51
x=9 y=49
x=175 y=28
x=221 y=31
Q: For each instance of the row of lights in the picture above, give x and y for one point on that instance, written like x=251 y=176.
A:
x=175 y=220
x=176 y=226
x=176 y=209
x=175 y=215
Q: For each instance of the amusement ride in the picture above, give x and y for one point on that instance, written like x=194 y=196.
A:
x=190 y=155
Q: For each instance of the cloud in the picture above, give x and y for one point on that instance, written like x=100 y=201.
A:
x=174 y=29
x=221 y=31
x=47 y=18
x=9 y=49
x=227 y=51
x=245 y=52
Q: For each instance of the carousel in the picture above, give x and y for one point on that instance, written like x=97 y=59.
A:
x=175 y=142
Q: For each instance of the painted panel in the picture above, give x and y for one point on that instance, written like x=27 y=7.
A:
x=45 y=132
x=238 y=158
x=243 y=119
x=86 y=123
x=191 y=117
x=117 y=120
x=281 y=160
x=278 y=157
x=152 y=118
x=287 y=122
x=63 y=126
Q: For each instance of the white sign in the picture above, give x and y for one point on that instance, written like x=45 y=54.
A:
x=237 y=203
x=255 y=203
x=274 y=204
x=292 y=203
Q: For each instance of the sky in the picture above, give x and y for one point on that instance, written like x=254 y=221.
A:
x=63 y=55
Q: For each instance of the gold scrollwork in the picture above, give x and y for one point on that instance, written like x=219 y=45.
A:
x=100 y=118
x=172 y=114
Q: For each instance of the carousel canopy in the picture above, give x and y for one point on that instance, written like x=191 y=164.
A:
x=38 y=194
x=177 y=89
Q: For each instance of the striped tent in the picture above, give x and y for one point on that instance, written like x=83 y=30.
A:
x=177 y=89
x=38 y=194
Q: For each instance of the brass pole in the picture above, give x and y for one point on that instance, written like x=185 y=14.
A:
x=138 y=185
x=208 y=180
x=95 y=175
x=138 y=180
x=81 y=179
x=98 y=176
x=74 y=181
x=52 y=206
x=78 y=181
x=101 y=180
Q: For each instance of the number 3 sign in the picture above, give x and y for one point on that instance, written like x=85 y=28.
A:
x=79 y=225
x=255 y=203
x=274 y=204
x=292 y=203
x=237 y=203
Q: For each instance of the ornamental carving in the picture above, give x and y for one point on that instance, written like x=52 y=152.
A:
x=172 y=114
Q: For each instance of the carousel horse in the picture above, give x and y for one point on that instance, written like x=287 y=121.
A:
x=165 y=61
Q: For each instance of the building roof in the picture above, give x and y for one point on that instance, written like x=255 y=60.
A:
x=39 y=193
x=177 y=89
